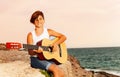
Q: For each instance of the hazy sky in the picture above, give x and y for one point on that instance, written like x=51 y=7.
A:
x=86 y=23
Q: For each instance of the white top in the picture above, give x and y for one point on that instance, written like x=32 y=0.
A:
x=36 y=38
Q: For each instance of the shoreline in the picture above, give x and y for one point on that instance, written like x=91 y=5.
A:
x=107 y=71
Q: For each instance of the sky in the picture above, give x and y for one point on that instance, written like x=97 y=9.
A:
x=86 y=23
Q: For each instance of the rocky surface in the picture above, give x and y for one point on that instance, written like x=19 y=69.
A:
x=13 y=55
x=17 y=64
x=78 y=71
x=18 y=69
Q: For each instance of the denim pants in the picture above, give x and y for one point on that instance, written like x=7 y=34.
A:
x=41 y=64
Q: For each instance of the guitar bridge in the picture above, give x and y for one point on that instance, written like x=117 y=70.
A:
x=60 y=52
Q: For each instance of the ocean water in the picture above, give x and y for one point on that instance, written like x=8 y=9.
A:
x=102 y=58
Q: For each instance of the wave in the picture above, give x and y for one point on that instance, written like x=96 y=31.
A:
x=107 y=71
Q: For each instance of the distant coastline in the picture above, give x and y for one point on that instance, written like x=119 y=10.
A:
x=94 y=47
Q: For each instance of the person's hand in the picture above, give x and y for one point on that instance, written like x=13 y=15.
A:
x=40 y=50
x=55 y=48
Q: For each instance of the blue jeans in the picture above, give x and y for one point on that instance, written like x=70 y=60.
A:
x=41 y=64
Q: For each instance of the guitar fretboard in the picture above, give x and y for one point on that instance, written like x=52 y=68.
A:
x=30 y=46
x=45 y=48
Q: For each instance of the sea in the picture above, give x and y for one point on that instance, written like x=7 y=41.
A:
x=105 y=59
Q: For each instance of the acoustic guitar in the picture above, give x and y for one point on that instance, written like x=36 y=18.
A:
x=59 y=55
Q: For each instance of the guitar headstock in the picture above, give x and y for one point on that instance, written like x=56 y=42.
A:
x=13 y=45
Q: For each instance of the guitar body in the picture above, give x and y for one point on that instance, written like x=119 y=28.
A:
x=59 y=56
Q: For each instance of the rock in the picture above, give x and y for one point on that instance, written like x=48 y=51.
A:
x=77 y=70
x=18 y=69
x=10 y=56
x=2 y=46
x=17 y=64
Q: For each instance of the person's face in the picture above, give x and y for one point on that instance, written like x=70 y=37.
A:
x=39 y=22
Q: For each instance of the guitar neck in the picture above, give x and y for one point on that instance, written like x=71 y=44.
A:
x=36 y=47
x=27 y=46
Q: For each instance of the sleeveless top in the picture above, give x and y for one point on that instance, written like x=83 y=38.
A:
x=36 y=38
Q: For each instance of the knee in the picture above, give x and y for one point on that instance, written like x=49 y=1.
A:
x=59 y=71
x=56 y=70
x=62 y=74
x=52 y=68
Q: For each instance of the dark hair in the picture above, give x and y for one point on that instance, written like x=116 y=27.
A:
x=35 y=16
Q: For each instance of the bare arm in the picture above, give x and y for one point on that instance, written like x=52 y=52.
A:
x=61 y=37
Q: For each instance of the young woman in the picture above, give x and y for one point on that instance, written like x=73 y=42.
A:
x=39 y=33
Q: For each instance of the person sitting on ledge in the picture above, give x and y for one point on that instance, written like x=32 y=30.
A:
x=38 y=34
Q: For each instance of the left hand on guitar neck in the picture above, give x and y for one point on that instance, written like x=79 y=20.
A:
x=40 y=50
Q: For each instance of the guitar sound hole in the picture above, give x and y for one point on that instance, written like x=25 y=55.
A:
x=50 y=49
